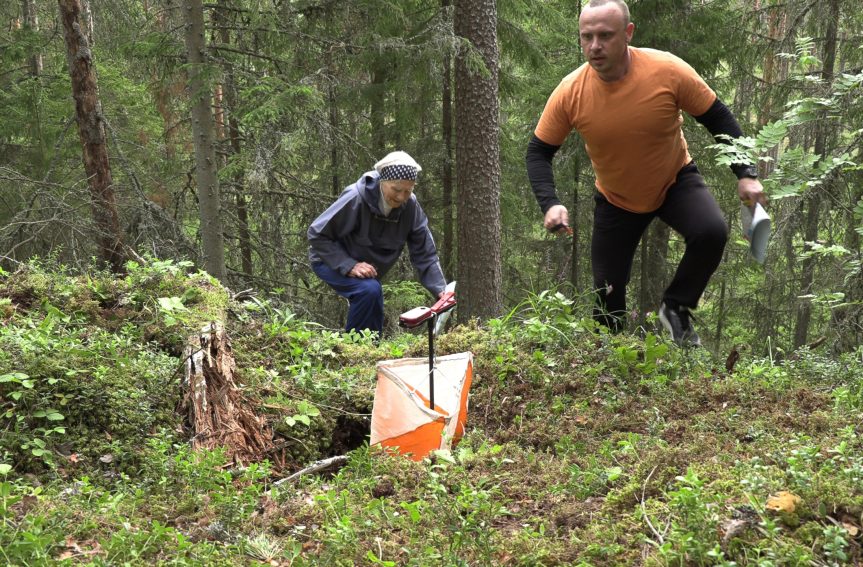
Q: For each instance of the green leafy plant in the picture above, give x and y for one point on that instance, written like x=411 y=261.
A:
x=30 y=422
x=835 y=544
x=305 y=412
x=546 y=318
x=171 y=310
x=797 y=170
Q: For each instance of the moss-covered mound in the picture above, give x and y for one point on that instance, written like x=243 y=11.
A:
x=583 y=448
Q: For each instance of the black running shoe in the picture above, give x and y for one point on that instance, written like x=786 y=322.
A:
x=678 y=322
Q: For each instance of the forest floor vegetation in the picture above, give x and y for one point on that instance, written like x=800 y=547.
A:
x=583 y=448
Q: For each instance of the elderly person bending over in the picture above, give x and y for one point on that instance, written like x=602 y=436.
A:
x=358 y=238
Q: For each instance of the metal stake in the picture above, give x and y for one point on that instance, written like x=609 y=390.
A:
x=431 y=362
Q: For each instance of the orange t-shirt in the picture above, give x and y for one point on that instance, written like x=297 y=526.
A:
x=632 y=127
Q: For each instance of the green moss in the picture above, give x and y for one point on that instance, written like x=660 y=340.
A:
x=578 y=441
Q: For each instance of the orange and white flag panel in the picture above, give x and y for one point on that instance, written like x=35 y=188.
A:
x=401 y=417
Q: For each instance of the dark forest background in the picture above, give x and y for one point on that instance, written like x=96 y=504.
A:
x=216 y=132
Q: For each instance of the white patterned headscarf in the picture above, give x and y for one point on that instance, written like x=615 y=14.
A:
x=398 y=165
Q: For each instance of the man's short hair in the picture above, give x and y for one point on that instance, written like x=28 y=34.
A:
x=619 y=3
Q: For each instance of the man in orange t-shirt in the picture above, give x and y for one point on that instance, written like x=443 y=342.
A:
x=625 y=102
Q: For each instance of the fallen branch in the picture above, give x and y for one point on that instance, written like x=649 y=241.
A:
x=644 y=509
x=317 y=466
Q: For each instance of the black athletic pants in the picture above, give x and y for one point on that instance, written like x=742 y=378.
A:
x=690 y=210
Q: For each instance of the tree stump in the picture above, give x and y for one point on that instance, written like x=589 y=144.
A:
x=218 y=413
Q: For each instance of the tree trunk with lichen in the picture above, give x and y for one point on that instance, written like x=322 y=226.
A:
x=478 y=162
x=204 y=132
x=91 y=129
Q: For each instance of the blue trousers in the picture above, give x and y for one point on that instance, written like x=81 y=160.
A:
x=365 y=295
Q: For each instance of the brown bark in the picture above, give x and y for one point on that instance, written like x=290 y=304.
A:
x=447 y=259
x=776 y=24
x=217 y=412
x=91 y=129
x=165 y=92
x=777 y=18
x=478 y=162
x=165 y=95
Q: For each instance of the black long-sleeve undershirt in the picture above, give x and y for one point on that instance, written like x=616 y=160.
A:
x=540 y=173
x=718 y=120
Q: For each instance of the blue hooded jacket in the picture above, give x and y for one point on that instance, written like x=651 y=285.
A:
x=354 y=229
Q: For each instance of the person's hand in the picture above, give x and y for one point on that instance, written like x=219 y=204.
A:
x=363 y=270
x=555 y=217
x=441 y=294
x=751 y=191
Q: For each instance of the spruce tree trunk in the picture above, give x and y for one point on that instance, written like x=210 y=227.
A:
x=336 y=187
x=849 y=320
x=446 y=174
x=31 y=21
x=575 y=265
x=804 y=310
x=720 y=315
x=378 y=110
x=654 y=267
x=40 y=154
x=232 y=130
x=203 y=131
x=660 y=238
x=478 y=162
x=644 y=275
x=575 y=213
x=91 y=130
x=243 y=230
x=165 y=93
